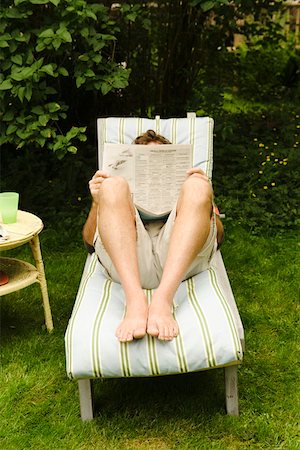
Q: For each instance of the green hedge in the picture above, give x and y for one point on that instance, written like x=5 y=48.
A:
x=55 y=57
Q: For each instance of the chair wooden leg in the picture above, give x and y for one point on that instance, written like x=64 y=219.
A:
x=231 y=389
x=86 y=400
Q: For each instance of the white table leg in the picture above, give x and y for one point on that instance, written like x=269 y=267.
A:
x=36 y=251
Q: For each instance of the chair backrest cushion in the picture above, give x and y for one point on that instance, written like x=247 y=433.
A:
x=197 y=131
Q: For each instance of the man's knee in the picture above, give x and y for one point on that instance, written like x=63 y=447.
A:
x=198 y=191
x=114 y=190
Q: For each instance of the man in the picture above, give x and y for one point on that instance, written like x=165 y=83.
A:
x=151 y=254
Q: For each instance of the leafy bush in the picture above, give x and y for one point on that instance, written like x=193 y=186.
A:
x=62 y=68
x=257 y=129
x=257 y=176
x=55 y=56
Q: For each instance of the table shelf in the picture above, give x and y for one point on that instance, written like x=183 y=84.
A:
x=21 y=274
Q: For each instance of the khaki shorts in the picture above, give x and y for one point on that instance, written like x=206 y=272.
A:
x=152 y=246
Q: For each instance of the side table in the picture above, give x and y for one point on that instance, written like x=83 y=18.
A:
x=21 y=273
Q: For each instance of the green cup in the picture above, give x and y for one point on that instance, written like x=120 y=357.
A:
x=9 y=202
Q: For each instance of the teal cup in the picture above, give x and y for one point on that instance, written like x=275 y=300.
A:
x=9 y=202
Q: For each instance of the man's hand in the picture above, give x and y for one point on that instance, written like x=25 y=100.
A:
x=195 y=171
x=95 y=183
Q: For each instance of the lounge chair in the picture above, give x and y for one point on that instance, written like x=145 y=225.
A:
x=211 y=331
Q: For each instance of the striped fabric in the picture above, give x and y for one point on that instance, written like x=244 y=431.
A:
x=210 y=328
x=208 y=335
x=197 y=131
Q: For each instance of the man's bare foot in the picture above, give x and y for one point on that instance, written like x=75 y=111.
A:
x=134 y=324
x=161 y=323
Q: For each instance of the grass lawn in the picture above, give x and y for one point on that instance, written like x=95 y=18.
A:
x=40 y=406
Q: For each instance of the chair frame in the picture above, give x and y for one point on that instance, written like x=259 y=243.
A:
x=85 y=386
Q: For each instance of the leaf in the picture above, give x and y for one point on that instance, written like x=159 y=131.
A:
x=82 y=137
x=53 y=107
x=60 y=143
x=206 y=6
x=17 y=59
x=72 y=149
x=91 y=15
x=8 y=116
x=21 y=93
x=23 y=74
x=66 y=36
x=131 y=17
x=14 y=13
x=79 y=81
x=3 y=44
x=97 y=58
x=4 y=139
x=38 y=2
x=41 y=141
x=5 y=65
x=11 y=129
x=18 y=2
x=22 y=37
x=107 y=37
x=20 y=120
x=43 y=119
x=55 y=2
x=83 y=57
x=37 y=110
x=46 y=33
x=89 y=73
x=46 y=133
x=63 y=71
x=40 y=47
x=12 y=47
x=28 y=92
x=5 y=37
x=30 y=58
x=72 y=133
x=84 y=32
x=23 y=134
x=50 y=91
x=56 y=43
x=60 y=153
x=5 y=85
x=38 y=64
x=105 y=88
x=48 y=68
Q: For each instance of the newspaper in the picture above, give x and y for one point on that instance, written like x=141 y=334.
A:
x=155 y=173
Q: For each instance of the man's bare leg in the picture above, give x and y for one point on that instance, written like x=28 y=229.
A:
x=116 y=223
x=190 y=232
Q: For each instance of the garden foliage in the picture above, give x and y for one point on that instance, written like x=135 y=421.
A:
x=67 y=62
x=52 y=53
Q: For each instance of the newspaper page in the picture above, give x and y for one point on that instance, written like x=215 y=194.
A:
x=155 y=173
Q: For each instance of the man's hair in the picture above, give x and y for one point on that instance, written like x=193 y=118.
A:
x=151 y=136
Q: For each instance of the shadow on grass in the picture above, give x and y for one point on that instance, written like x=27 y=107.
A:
x=161 y=398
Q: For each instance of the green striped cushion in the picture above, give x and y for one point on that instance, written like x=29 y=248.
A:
x=208 y=335
x=197 y=131
x=208 y=331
